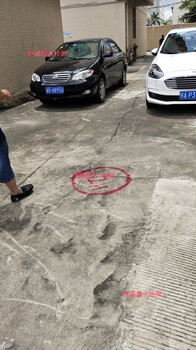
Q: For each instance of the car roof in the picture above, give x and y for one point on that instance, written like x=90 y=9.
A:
x=88 y=39
x=182 y=30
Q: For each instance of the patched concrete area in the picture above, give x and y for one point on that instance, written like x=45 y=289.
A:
x=67 y=257
x=161 y=315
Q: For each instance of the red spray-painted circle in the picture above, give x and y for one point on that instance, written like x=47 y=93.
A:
x=122 y=177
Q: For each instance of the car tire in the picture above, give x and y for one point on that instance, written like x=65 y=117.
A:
x=46 y=101
x=149 y=105
x=123 y=80
x=101 y=91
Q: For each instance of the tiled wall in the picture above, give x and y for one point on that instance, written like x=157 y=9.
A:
x=26 y=25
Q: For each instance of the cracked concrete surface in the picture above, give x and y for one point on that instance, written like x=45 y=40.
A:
x=67 y=258
x=165 y=262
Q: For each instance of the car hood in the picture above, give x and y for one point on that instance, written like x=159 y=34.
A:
x=176 y=62
x=62 y=66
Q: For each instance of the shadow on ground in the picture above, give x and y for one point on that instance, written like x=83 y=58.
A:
x=71 y=104
x=176 y=112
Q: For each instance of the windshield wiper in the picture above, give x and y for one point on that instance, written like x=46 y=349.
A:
x=79 y=58
x=61 y=59
x=54 y=60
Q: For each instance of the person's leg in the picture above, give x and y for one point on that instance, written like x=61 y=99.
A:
x=7 y=175
x=12 y=186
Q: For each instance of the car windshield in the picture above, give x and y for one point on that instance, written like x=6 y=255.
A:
x=76 y=50
x=180 y=43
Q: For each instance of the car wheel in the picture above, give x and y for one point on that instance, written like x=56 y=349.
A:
x=46 y=101
x=101 y=91
x=149 y=105
x=123 y=80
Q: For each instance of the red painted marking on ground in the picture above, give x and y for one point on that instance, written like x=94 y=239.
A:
x=91 y=181
x=96 y=187
x=75 y=182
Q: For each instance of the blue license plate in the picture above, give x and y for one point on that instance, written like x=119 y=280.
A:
x=55 y=90
x=187 y=95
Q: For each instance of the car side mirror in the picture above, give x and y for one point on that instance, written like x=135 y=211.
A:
x=47 y=58
x=154 y=52
x=108 y=54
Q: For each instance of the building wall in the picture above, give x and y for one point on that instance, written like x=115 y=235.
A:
x=154 y=33
x=26 y=25
x=141 y=21
x=76 y=2
x=158 y=8
x=113 y=20
x=95 y=21
x=177 y=13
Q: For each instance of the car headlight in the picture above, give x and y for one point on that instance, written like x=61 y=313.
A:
x=83 y=74
x=35 y=77
x=155 y=72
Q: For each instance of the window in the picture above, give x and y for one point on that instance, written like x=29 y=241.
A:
x=115 y=48
x=78 y=49
x=179 y=43
x=106 y=48
x=134 y=22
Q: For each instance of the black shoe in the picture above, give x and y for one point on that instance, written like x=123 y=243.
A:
x=26 y=191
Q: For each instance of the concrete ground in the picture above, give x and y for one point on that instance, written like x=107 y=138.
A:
x=113 y=269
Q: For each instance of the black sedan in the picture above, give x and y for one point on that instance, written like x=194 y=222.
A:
x=80 y=68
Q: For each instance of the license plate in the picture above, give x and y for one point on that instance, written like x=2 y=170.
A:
x=55 y=90
x=187 y=95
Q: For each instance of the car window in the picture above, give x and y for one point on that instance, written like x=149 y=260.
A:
x=77 y=50
x=179 y=43
x=114 y=47
x=106 y=48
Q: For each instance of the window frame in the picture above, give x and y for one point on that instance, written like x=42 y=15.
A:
x=119 y=50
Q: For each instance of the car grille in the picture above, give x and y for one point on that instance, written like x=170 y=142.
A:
x=164 y=97
x=56 y=78
x=181 y=83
